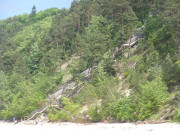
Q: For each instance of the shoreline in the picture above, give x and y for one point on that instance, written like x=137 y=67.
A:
x=68 y=128
x=88 y=123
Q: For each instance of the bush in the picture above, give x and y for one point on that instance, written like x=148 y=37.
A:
x=58 y=115
x=176 y=117
x=108 y=67
x=123 y=110
x=95 y=113
x=153 y=24
x=168 y=68
x=59 y=78
x=154 y=72
x=152 y=95
x=68 y=111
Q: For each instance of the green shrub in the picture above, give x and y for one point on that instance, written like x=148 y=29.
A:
x=153 y=24
x=126 y=73
x=154 y=72
x=152 y=96
x=58 y=115
x=176 y=117
x=95 y=113
x=108 y=67
x=59 y=78
x=68 y=111
x=53 y=115
x=123 y=110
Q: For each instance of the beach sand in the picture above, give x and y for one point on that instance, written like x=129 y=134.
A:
x=29 y=128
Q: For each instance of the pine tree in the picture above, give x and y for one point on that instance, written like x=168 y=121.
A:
x=171 y=14
x=94 y=42
x=33 y=12
x=168 y=71
x=76 y=15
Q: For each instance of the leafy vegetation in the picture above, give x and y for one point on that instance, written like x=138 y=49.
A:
x=34 y=46
x=70 y=111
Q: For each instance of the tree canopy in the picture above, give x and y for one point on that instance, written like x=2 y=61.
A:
x=34 y=47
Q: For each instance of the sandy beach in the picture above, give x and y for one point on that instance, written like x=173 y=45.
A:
x=88 y=129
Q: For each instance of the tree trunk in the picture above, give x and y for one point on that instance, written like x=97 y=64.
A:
x=129 y=54
x=88 y=16
x=177 y=40
x=112 y=15
x=73 y=29
x=64 y=48
x=177 y=34
x=79 y=25
x=122 y=25
x=57 y=45
x=122 y=21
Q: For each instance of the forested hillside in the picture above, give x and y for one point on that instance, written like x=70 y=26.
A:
x=40 y=51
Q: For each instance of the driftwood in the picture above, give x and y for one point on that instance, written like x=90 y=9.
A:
x=170 y=110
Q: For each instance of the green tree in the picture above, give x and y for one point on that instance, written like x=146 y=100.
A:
x=152 y=96
x=94 y=113
x=3 y=80
x=94 y=42
x=69 y=111
x=169 y=71
x=123 y=110
x=177 y=70
x=33 y=12
x=141 y=8
x=171 y=14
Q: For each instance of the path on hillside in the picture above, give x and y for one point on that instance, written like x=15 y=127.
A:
x=71 y=88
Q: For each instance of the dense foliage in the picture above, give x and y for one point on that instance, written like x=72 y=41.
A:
x=34 y=46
